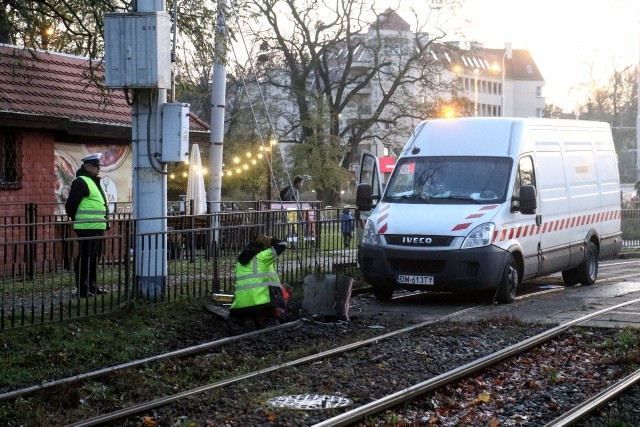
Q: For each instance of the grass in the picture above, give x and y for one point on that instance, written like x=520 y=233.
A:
x=49 y=351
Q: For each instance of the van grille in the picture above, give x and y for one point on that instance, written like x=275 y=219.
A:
x=419 y=241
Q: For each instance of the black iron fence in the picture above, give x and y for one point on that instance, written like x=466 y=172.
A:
x=194 y=256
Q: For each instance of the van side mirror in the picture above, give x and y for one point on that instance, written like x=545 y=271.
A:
x=364 y=197
x=526 y=203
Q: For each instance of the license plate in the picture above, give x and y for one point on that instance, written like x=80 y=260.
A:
x=408 y=279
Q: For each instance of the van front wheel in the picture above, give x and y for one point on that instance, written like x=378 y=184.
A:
x=587 y=272
x=382 y=292
x=506 y=293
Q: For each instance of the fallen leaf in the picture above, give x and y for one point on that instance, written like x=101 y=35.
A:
x=483 y=397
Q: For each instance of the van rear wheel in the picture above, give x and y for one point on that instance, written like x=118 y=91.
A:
x=570 y=277
x=587 y=272
x=506 y=292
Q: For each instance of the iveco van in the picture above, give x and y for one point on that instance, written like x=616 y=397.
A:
x=480 y=204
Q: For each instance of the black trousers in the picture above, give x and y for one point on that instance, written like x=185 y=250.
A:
x=86 y=264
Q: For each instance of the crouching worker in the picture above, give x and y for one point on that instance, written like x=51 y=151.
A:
x=259 y=299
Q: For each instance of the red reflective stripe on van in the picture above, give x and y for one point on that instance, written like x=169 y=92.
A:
x=474 y=216
x=518 y=230
x=461 y=226
x=488 y=208
x=511 y=233
x=504 y=234
x=382 y=229
x=383 y=217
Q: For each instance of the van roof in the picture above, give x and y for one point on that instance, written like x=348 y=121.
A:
x=479 y=136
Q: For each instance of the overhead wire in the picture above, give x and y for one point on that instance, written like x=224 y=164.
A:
x=264 y=103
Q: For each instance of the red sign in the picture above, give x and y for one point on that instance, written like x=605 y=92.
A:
x=387 y=164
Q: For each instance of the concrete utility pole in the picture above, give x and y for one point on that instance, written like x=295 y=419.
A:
x=149 y=183
x=218 y=95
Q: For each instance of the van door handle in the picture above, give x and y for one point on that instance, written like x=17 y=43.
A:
x=538 y=220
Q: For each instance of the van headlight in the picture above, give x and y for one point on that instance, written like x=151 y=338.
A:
x=369 y=236
x=481 y=236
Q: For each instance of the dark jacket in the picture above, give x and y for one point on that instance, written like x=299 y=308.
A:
x=291 y=195
x=347 y=221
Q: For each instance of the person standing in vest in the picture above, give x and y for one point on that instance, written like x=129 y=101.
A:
x=88 y=206
x=259 y=298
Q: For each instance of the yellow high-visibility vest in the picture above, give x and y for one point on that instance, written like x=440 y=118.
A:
x=92 y=207
x=254 y=279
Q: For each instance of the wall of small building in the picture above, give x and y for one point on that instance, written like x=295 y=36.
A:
x=38 y=177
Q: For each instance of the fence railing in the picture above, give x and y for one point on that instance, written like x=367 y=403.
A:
x=193 y=256
x=197 y=258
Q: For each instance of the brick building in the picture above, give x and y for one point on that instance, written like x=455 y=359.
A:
x=48 y=100
x=54 y=111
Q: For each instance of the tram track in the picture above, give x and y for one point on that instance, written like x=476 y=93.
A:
x=242 y=377
x=403 y=396
x=398 y=398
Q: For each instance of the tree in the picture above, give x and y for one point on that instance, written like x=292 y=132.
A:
x=322 y=46
x=615 y=103
x=551 y=111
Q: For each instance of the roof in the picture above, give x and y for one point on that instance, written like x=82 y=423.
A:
x=390 y=20
x=51 y=88
x=520 y=67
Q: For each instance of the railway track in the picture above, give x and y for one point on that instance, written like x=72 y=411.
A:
x=161 y=408
x=247 y=387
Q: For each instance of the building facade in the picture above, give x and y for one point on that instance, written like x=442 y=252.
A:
x=447 y=80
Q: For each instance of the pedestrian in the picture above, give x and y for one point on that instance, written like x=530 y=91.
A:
x=635 y=196
x=293 y=192
x=87 y=205
x=347 y=227
x=259 y=299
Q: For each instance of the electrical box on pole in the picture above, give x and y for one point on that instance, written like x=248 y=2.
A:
x=137 y=50
x=175 y=132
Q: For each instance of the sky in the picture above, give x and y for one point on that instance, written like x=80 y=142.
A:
x=575 y=43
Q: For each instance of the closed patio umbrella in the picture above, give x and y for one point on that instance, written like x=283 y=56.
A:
x=195 y=182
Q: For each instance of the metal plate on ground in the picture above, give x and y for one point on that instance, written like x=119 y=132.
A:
x=309 y=401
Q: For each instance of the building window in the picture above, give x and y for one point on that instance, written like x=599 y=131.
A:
x=538 y=90
x=10 y=160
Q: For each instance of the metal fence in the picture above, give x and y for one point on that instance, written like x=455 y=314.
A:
x=197 y=258
x=198 y=255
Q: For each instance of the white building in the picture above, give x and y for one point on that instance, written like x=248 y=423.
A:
x=461 y=82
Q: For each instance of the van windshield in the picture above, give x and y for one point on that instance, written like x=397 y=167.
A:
x=449 y=180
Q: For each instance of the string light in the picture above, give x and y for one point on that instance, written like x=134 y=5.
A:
x=251 y=158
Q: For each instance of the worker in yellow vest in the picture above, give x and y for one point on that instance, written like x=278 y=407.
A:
x=259 y=298
x=87 y=204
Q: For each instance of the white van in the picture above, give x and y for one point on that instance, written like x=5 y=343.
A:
x=479 y=204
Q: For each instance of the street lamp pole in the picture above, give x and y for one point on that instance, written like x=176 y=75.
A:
x=508 y=54
x=476 y=72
